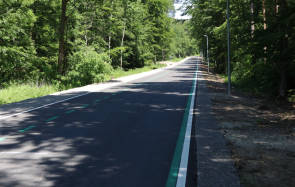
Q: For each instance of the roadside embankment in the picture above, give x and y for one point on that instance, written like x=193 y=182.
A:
x=260 y=134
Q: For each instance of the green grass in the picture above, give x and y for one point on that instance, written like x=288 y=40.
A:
x=121 y=73
x=18 y=92
x=291 y=96
x=249 y=86
x=244 y=86
x=176 y=59
x=291 y=99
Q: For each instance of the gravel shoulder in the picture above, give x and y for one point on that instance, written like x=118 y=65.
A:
x=260 y=134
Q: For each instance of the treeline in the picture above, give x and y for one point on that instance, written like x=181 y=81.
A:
x=78 y=42
x=262 y=41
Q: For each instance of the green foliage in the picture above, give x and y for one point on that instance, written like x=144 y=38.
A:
x=262 y=41
x=17 y=52
x=182 y=44
x=87 y=67
x=120 y=72
x=258 y=78
x=176 y=59
x=98 y=34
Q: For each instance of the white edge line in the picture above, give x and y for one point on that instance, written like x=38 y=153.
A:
x=181 y=178
x=16 y=114
x=16 y=152
x=43 y=106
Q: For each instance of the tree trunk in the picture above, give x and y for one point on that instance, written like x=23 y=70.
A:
x=110 y=37
x=264 y=14
x=252 y=19
x=283 y=83
x=86 y=39
x=63 y=22
x=253 y=61
x=122 y=43
x=282 y=9
x=265 y=27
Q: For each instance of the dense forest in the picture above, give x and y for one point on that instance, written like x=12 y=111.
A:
x=262 y=41
x=70 y=43
x=77 y=42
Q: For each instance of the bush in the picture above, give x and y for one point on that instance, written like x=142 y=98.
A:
x=87 y=67
x=258 y=78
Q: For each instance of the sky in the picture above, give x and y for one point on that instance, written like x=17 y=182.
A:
x=179 y=10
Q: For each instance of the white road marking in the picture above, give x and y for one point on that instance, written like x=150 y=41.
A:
x=16 y=114
x=15 y=152
x=123 y=79
x=182 y=173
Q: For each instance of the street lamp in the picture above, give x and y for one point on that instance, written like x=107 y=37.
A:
x=228 y=51
x=207 y=51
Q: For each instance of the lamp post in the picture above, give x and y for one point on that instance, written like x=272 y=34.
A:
x=228 y=51
x=207 y=50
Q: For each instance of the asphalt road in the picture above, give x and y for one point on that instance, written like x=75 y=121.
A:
x=122 y=136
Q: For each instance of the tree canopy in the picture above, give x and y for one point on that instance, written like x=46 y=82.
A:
x=262 y=41
x=47 y=40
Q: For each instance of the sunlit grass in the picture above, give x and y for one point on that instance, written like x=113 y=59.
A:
x=121 y=73
x=176 y=59
x=19 y=92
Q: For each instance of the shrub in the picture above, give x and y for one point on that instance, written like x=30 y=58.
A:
x=87 y=67
x=257 y=78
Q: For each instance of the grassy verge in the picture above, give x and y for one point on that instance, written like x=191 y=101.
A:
x=250 y=87
x=121 y=73
x=176 y=59
x=20 y=92
x=17 y=92
x=247 y=86
x=291 y=96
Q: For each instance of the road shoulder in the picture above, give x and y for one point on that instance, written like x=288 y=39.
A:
x=215 y=166
x=259 y=132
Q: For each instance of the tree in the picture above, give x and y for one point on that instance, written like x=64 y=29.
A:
x=62 y=26
x=262 y=41
x=17 y=50
x=42 y=40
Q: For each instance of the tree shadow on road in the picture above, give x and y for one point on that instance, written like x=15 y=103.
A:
x=110 y=138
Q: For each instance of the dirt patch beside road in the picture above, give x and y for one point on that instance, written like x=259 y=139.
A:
x=260 y=134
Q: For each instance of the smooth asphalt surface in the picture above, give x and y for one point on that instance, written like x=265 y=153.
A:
x=122 y=136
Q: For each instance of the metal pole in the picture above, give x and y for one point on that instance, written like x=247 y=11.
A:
x=228 y=51
x=207 y=51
